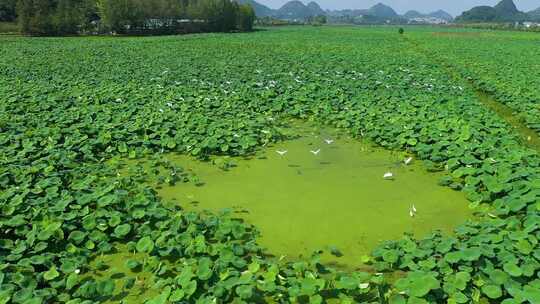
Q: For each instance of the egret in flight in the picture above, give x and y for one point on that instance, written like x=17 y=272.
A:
x=282 y=153
x=316 y=152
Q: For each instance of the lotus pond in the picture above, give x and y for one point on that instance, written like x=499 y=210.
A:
x=205 y=115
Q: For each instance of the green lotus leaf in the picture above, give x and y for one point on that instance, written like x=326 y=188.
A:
x=492 y=291
x=244 y=291
x=132 y=264
x=122 y=230
x=499 y=277
x=204 y=270
x=512 y=269
x=51 y=274
x=145 y=245
x=77 y=237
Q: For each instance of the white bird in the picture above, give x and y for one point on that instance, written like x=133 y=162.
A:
x=413 y=208
x=411 y=213
x=315 y=152
x=363 y=285
x=329 y=141
x=388 y=175
x=282 y=152
x=161 y=110
x=408 y=161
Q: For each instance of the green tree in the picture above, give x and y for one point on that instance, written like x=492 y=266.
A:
x=8 y=10
x=246 y=18
x=35 y=16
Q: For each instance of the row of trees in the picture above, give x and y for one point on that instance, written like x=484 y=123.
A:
x=65 y=17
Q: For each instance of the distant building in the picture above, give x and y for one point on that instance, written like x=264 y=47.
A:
x=427 y=20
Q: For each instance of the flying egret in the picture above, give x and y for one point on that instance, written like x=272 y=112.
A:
x=408 y=161
x=411 y=213
x=413 y=208
x=282 y=152
x=388 y=175
x=315 y=152
x=329 y=141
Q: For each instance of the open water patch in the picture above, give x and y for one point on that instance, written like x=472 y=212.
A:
x=323 y=191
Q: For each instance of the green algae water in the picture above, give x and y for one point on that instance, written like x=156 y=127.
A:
x=324 y=194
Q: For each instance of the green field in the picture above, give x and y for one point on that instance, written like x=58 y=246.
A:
x=117 y=156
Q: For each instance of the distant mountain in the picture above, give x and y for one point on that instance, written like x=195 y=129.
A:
x=440 y=14
x=260 y=9
x=413 y=14
x=382 y=11
x=296 y=10
x=504 y=11
x=506 y=8
x=379 y=13
x=314 y=9
x=534 y=15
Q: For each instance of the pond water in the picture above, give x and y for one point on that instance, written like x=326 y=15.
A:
x=337 y=198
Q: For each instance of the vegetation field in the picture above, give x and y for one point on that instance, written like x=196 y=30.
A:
x=79 y=223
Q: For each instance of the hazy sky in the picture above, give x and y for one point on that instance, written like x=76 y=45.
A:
x=454 y=7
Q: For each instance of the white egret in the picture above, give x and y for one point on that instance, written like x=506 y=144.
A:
x=413 y=208
x=411 y=213
x=408 y=161
x=282 y=153
x=388 y=175
x=316 y=152
x=329 y=141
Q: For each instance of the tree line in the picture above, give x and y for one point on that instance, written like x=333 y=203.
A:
x=69 y=17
